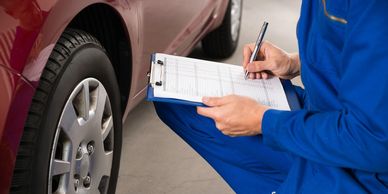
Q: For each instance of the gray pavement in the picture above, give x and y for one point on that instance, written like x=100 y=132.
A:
x=154 y=159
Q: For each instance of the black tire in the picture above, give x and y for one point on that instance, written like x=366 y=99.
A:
x=76 y=56
x=220 y=42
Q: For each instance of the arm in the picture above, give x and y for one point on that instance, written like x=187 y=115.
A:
x=356 y=136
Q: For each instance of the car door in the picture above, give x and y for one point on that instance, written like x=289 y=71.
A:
x=170 y=26
x=167 y=24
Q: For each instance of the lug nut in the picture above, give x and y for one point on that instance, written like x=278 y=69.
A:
x=76 y=184
x=79 y=152
x=87 y=181
x=90 y=149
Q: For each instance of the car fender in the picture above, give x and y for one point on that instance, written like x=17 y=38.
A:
x=32 y=43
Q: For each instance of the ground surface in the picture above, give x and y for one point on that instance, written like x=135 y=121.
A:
x=154 y=159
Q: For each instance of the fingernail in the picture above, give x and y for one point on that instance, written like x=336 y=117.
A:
x=205 y=99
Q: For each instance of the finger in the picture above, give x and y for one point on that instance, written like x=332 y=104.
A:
x=252 y=75
x=224 y=132
x=236 y=134
x=257 y=66
x=231 y=133
x=264 y=75
x=207 y=112
x=261 y=55
x=214 y=101
x=258 y=75
x=218 y=101
x=220 y=127
x=270 y=75
x=247 y=52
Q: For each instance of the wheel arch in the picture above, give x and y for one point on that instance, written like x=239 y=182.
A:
x=102 y=20
x=106 y=24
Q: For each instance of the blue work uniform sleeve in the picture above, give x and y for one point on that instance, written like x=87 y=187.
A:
x=301 y=94
x=355 y=136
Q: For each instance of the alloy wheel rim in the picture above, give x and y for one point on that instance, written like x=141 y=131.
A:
x=235 y=18
x=82 y=151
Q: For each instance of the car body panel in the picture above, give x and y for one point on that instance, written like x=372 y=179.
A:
x=199 y=25
x=30 y=29
x=15 y=98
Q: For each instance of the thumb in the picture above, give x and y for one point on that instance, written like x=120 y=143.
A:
x=207 y=112
x=214 y=101
x=258 y=66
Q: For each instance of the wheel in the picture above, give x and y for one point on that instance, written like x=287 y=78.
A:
x=222 y=42
x=72 y=137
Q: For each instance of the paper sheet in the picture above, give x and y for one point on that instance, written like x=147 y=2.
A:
x=191 y=79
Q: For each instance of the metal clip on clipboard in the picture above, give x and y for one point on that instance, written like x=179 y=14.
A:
x=156 y=74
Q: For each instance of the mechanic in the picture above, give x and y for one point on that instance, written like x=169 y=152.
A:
x=337 y=142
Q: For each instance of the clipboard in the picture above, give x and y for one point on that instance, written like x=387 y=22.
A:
x=158 y=80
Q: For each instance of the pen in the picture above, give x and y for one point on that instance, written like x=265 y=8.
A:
x=259 y=41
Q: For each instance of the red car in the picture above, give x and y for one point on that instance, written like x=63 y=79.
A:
x=70 y=71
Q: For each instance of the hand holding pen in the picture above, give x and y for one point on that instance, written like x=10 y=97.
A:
x=273 y=62
x=259 y=42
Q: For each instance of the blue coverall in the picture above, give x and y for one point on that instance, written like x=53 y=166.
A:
x=338 y=142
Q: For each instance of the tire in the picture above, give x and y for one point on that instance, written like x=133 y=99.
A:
x=72 y=136
x=223 y=41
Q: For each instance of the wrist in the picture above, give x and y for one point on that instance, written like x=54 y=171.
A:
x=260 y=111
x=295 y=62
x=294 y=65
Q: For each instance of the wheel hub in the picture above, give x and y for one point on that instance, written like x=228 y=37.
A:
x=83 y=164
x=82 y=152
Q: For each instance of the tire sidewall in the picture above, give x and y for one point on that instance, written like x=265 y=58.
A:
x=87 y=61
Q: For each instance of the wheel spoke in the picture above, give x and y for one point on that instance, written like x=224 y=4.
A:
x=86 y=100
x=69 y=189
x=69 y=121
x=60 y=167
x=103 y=163
x=107 y=127
x=102 y=97
x=102 y=166
x=107 y=160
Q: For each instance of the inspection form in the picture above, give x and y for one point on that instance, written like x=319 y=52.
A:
x=190 y=79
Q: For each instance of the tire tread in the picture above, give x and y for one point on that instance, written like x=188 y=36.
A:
x=219 y=43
